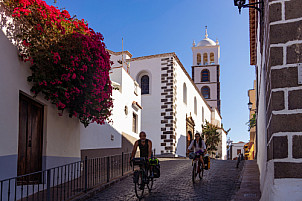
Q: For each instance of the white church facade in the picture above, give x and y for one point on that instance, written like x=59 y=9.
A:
x=173 y=105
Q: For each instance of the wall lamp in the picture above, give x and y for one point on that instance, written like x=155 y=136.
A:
x=241 y=4
x=250 y=105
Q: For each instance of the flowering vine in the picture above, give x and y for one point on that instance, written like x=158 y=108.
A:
x=69 y=63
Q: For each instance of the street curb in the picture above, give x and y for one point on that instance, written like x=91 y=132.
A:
x=99 y=188
x=238 y=183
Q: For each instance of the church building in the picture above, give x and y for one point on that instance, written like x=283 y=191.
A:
x=175 y=106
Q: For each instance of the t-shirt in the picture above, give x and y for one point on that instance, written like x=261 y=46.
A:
x=197 y=148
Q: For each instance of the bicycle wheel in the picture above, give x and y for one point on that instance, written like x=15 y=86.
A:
x=200 y=174
x=194 y=173
x=150 y=184
x=139 y=185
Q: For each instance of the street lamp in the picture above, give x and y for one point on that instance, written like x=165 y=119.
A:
x=250 y=105
x=241 y=4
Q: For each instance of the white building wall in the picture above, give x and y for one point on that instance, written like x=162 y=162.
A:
x=236 y=146
x=223 y=146
x=57 y=131
x=151 y=113
x=221 y=149
x=109 y=135
x=184 y=109
x=215 y=118
x=151 y=103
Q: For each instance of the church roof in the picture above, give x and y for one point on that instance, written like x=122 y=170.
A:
x=206 y=42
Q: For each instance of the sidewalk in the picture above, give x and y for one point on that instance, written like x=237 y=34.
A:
x=250 y=187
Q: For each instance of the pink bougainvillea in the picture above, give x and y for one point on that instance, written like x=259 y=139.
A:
x=70 y=65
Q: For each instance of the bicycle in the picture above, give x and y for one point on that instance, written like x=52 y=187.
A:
x=197 y=167
x=140 y=177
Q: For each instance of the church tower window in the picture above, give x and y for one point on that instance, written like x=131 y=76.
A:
x=198 y=59
x=205 y=59
x=145 y=84
x=185 y=93
x=205 y=92
x=212 y=58
x=205 y=75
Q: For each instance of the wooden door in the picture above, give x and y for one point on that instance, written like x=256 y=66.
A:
x=30 y=136
x=190 y=131
x=189 y=138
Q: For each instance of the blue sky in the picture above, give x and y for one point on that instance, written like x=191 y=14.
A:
x=161 y=26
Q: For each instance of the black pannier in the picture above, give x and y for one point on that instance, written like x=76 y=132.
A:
x=138 y=161
x=156 y=171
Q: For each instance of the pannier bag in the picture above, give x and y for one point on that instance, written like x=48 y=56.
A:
x=156 y=171
x=138 y=161
x=135 y=176
x=154 y=162
x=192 y=155
x=206 y=162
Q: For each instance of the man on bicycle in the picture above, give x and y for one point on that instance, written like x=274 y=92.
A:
x=199 y=147
x=145 y=147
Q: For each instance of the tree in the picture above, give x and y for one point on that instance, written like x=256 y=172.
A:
x=211 y=136
x=68 y=60
x=252 y=122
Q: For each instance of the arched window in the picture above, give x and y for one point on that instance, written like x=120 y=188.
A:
x=205 y=91
x=205 y=59
x=205 y=75
x=185 y=93
x=145 y=84
x=198 y=59
x=195 y=105
x=212 y=58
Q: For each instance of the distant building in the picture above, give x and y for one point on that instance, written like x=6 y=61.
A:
x=235 y=149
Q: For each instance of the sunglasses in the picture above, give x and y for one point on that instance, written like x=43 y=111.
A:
x=197 y=136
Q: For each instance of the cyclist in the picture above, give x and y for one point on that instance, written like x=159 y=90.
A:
x=145 y=146
x=199 y=147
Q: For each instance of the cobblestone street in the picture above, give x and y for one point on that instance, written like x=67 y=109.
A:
x=175 y=183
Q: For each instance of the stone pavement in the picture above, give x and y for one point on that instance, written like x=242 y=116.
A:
x=175 y=183
x=250 y=187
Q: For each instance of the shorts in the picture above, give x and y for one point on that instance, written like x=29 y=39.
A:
x=200 y=152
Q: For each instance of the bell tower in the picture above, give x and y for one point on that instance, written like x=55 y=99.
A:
x=206 y=69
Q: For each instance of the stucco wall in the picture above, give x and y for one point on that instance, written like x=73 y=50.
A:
x=187 y=109
x=109 y=135
x=57 y=131
x=151 y=102
x=151 y=114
